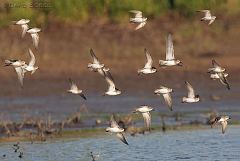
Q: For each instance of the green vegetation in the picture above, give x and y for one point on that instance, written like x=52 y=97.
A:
x=80 y=11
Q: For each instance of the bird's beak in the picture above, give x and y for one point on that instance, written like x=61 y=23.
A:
x=103 y=94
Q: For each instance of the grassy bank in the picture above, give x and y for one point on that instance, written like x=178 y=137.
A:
x=80 y=11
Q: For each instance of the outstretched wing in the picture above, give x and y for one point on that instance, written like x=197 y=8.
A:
x=24 y=29
x=122 y=138
x=223 y=80
x=191 y=93
x=215 y=64
x=138 y=14
x=20 y=74
x=83 y=96
x=224 y=126
x=108 y=77
x=149 y=62
x=73 y=86
x=32 y=58
x=169 y=48
x=113 y=123
x=168 y=100
x=147 y=119
x=35 y=38
x=95 y=59
x=206 y=12
x=140 y=25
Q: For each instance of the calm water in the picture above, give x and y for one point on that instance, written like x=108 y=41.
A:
x=207 y=145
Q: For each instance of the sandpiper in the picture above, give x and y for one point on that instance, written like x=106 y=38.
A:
x=96 y=64
x=170 y=58
x=191 y=97
x=74 y=89
x=114 y=128
x=145 y=111
x=165 y=92
x=34 y=35
x=148 y=68
x=138 y=19
x=30 y=67
x=207 y=16
x=24 y=24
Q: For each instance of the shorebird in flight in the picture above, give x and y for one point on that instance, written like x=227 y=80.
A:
x=34 y=35
x=19 y=68
x=74 y=89
x=145 y=111
x=223 y=120
x=30 y=67
x=24 y=24
x=219 y=73
x=165 y=92
x=112 y=90
x=114 y=128
x=207 y=16
x=148 y=68
x=96 y=63
x=170 y=58
x=138 y=19
x=191 y=97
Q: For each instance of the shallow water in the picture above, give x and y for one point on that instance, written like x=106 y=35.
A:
x=205 y=144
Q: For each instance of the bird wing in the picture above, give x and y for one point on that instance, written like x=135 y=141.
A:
x=223 y=79
x=168 y=100
x=83 y=96
x=32 y=58
x=20 y=74
x=224 y=126
x=207 y=12
x=169 y=48
x=138 y=14
x=108 y=77
x=211 y=21
x=113 y=123
x=122 y=138
x=147 y=120
x=35 y=38
x=191 y=93
x=73 y=86
x=95 y=59
x=149 y=60
x=140 y=25
x=215 y=64
x=24 y=29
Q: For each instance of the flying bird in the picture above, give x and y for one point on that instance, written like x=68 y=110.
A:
x=114 y=128
x=145 y=111
x=18 y=65
x=112 y=90
x=207 y=16
x=74 y=89
x=219 y=73
x=96 y=63
x=165 y=92
x=191 y=97
x=170 y=58
x=30 y=67
x=224 y=121
x=34 y=34
x=138 y=19
x=215 y=76
x=148 y=68
x=24 y=24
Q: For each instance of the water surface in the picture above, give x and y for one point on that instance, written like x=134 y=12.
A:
x=204 y=144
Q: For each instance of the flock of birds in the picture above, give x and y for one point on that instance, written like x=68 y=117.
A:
x=216 y=72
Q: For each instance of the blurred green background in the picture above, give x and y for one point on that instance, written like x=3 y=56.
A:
x=80 y=11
